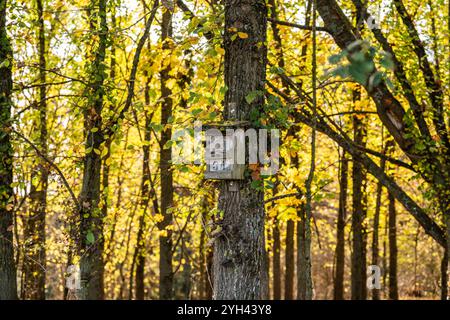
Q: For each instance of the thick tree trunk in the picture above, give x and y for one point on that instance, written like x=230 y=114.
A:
x=91 y=228
x=239 y=255
x=165 y=239
x=34 y=229
x=340 y=242
x=393 y=287
x=8 y=285
x=276 y=260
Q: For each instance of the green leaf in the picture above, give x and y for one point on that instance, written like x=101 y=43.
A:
x=252 y=96
x=386 y=61
x=212 y=115
x=90 y=238
x=5 y=64
x=168 y=145
x=196 y=112
x=336 y=58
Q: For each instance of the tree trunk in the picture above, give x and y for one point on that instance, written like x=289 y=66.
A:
x=376 y=222
x=340 y=243
x=145 y=197
x=304 y=280
x=304 y=268
x=444 y=276
x=393 y=288
x=289 y=261
x=165 y=238
x=375 y=236
x=8 y=284
x=204 y=251
x=34 y=229
x=359 y=289
x=91 y=228
x=276 y=260
x=239 y=255
x=445 y=208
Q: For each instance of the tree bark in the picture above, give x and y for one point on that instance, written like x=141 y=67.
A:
x=340 y=242
x=375 y=236
x=304 y=268
x=393 y=287
x=34 y=229
x=276 y=260
x=165 y=238
x=444 y=276
x=91 y=228
x=358 y=275
x=239 y=255
x=8 y=284
x=205 y=254
x=376 y=220
x=289 y=261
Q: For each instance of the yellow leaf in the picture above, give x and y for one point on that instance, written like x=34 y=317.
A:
x=220 y=50
x=171 y=83
x=242 y=35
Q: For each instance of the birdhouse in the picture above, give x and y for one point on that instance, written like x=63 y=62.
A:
x=221 y=153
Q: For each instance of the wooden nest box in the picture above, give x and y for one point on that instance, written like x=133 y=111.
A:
x=221 y=152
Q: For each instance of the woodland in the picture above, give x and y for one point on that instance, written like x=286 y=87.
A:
x=93 y=205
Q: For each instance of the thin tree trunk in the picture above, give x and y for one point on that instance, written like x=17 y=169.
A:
x=393 y=287
x=209 y=290
x=276 y=260
x=444 y=276
x=340 y=243
x=8 y=285
x=375 y=236
x=289 y=256
x=304 y=272
x=91 y=228
x=165 y=240
x=376 y=226
x=145 y=197
x=140 y=252
x=239 y=255
x=359 y=289
x=202 y=286
x=289 y=261
x=34 y=229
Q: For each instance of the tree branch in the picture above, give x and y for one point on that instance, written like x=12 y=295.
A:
x=52 y=164
x=297 y=26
